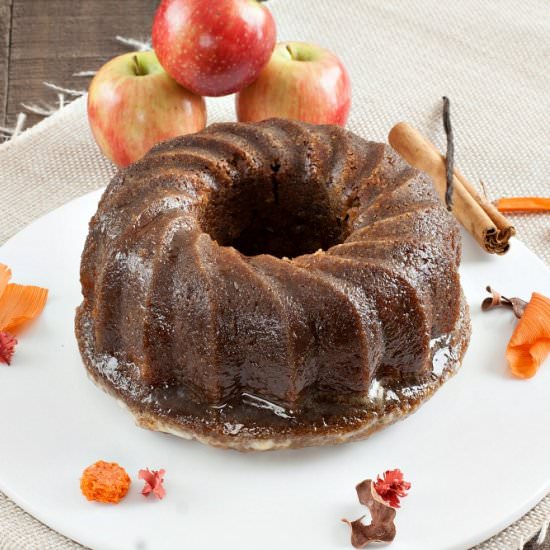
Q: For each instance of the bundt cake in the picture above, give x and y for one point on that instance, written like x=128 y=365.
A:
x=269 y=285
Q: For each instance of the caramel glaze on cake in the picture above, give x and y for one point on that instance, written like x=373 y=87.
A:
x=269 y=285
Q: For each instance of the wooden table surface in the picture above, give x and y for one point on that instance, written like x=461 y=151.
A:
x=52 y=40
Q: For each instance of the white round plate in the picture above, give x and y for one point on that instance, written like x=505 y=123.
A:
x=477 y=454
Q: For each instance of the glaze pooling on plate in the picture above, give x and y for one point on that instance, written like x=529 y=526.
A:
x=249 y=422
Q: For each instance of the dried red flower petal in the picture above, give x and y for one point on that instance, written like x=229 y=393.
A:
x=153 y=482
x=392 y=486
x=7 y=347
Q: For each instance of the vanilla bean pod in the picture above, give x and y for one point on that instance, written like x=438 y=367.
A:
x=449 y=156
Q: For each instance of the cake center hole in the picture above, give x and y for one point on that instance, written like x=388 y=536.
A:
x=283 y=217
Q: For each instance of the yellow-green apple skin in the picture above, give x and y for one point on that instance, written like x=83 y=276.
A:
x=301 y=81
x=133 y=104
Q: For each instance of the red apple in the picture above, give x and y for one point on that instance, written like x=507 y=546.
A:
x=213 y=47
x=301 y=81
x=133 y=104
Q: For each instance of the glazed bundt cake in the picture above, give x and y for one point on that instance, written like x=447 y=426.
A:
x=269 y=285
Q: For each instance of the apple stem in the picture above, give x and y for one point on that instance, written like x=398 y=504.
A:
x=297 y=54
x=293 y=55
x=139 y=70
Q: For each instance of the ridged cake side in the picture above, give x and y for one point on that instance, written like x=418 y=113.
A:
x=171 y=304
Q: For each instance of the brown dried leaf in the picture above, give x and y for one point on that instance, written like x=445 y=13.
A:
x=381 y=527
x=518 y=306
x=496 y=300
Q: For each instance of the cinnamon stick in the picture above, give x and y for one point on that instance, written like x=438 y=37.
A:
x=478 y=216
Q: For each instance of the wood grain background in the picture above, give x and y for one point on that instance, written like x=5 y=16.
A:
x=51 y=40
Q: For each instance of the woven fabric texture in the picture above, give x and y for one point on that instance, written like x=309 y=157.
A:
x=490 y=58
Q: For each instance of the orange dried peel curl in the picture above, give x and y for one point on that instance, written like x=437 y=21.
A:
x=5 y=276
x=523 y=204
x=530 y=343
x=19 y=304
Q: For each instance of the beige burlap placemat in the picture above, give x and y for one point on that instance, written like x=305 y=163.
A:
x=491 y=58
